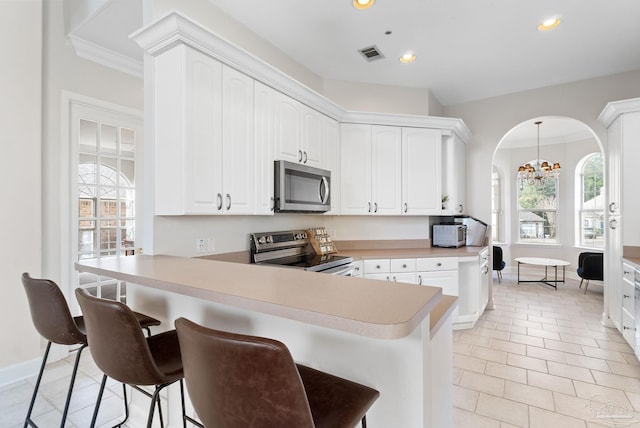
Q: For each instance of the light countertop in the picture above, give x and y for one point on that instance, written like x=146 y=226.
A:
x=361 y=306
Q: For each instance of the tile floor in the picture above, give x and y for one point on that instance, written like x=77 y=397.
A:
x=540 y=359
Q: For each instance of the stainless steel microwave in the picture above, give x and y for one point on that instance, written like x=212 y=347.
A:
x=301 y=188
x=452 y=235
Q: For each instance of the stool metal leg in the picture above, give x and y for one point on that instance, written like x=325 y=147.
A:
x=28 y=421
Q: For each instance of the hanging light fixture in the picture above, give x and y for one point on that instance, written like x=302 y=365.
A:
x=538 y=173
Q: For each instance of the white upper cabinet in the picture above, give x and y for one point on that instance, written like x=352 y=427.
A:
x=298 y=135
x=454 y=175
x=238 y=142
x=370 y=170
x=264 y=153
x=421 y=171
x=331 y=137
x=204 y=135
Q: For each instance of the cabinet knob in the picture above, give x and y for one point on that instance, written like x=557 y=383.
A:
x=377 y=266
x=404 y=266
x=438 y=264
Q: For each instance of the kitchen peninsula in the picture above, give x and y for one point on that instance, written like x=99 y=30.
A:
x=394 y=337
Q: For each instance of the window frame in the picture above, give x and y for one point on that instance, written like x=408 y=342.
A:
x=556 y=212
x=580 y=202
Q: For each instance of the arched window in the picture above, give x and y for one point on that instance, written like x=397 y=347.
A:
x=590 y=215
x=538 y=210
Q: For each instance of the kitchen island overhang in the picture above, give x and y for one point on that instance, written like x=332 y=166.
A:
x=373 y=332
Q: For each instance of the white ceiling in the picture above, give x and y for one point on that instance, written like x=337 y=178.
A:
x=467 y=49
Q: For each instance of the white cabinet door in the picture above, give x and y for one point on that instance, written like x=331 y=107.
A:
x=630 y=177
x=264 y=147
x=454 y=174
x=238 y=142
x=421 y=171
x=312 y=146
x=288 y=133
x=386 y=174
x=331 y=135
x=188 y=90
x=355 y=169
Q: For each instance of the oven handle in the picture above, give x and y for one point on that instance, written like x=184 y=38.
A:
x=345 y=270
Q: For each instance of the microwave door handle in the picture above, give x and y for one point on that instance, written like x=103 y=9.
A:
x=324 y=190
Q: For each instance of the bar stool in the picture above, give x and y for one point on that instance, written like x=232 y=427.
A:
x=52 y=319
x=238 y=381
x=136 y=360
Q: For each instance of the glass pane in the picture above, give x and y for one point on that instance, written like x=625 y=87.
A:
x=127 y=142
x=88 y=135
x=108 y=138
x=127 y=170
x=541 y=195
x=538 y=227
x=592 y=229
x=86 y=242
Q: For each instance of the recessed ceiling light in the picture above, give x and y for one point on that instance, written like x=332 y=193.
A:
x=549 y=24
x=363 y=4
x=407 y=58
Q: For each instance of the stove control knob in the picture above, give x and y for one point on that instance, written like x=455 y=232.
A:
x=270 y=239
x=262 y=240
x=304 y=235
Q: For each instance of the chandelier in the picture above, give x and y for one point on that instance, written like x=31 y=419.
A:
x=538 y=173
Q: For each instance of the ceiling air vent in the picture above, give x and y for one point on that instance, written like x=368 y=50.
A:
x=371 y=53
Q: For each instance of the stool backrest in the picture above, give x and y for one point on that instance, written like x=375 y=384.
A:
x=117 y=344
x=241 y=381
x=50 y=312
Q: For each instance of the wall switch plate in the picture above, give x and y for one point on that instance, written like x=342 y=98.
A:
x=200 y=245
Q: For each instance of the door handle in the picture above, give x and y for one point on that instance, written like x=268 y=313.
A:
x=419 y=279
x=613 y=223
x=228 y=202
x=219 y=201
x=299 y=155
x=369 y=204
x=613 y=207
x=460 y=208
x=305 y=157
x=405 y=207
x=324 y=190
x=273 y=204
x=375 y=207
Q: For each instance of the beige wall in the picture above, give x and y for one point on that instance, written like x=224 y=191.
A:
x=20 y=121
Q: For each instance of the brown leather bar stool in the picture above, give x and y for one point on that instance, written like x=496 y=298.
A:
x=52 y=318
x=136 y=361
x=238 y=381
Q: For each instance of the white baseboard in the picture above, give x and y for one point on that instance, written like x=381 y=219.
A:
x=17 y=372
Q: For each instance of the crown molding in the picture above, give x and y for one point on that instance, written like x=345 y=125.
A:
x=615 y=108
x=173 y=29
x=106 y=57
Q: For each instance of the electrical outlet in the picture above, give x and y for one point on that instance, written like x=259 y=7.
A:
x=200 y=245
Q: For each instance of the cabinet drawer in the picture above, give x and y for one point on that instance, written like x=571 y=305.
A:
x=403 y=265
x=629 y=328
x=628 y=272
x=408 y=277
x=436 y=263
x=377 y=266
x=628 y=296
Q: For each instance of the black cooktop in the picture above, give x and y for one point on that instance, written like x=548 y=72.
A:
x=311 y=261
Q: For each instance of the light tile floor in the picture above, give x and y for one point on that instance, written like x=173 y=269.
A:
x=540 y=359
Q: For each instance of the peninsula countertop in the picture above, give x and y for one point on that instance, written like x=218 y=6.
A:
x=360 y=306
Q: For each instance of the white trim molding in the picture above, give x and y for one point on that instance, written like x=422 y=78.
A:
x=106 y=57
x=615 y=108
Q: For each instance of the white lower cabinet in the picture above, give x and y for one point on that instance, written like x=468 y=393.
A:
x=464 y=277
x=628 y=305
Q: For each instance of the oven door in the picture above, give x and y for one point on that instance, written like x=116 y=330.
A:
x=344 y=270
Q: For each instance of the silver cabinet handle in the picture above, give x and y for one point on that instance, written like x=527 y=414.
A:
x=299 y=155
x=375 y=207
x=395 y=279
x=357 y=268
x=438 y=264
x=419 y=279
x=460 y=208
x=369 y=204
x=273 y=204
x=626 y=272
x=404 y=266
x=613 y=207
x=485 y=270
x=377 y=266
x=406 y=207
x=219 y=201
x=625 y=296
x=613 y=223
x=228 y=202
x=388 y=278
x=305 y=157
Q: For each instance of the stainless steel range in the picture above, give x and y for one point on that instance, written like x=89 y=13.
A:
x=292 y=249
